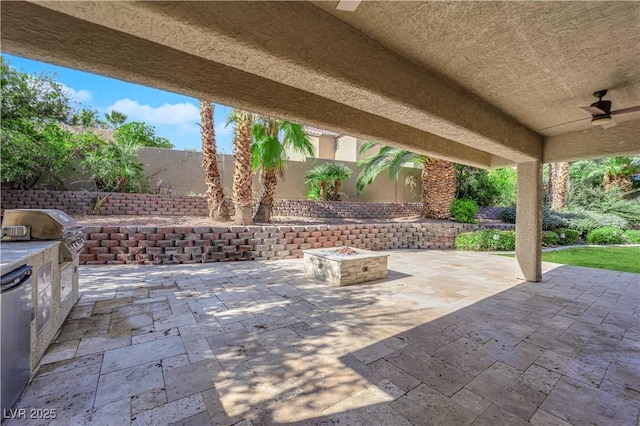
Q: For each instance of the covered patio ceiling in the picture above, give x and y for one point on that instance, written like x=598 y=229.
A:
x=485 y=84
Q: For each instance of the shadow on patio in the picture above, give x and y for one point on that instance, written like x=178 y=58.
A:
x=449 y=338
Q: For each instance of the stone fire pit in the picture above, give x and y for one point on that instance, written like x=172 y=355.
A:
x=341 y=266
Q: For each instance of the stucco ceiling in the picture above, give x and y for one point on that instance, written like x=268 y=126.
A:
x=481 y=83
x=536 y=61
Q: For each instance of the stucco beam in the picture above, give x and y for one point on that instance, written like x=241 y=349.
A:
x=299 y=45
x=39 y=33
x=499 y=162
x=623 y=139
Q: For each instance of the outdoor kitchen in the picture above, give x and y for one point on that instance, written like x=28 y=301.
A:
x=39 y=254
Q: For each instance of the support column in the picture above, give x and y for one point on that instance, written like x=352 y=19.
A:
x=529 y=222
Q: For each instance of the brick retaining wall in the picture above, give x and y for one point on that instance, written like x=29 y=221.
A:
x=345 y=209
x=84 y=202
x=171 y=245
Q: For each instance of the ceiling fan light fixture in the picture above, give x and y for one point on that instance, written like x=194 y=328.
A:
x=599 y=121
x=348 y=5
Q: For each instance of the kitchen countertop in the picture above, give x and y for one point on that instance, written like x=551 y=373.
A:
x=14 y=253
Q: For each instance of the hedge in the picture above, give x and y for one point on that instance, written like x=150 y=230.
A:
x=488 y=239
x=605 y=235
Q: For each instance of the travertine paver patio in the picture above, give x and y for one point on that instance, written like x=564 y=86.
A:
x=448 y=338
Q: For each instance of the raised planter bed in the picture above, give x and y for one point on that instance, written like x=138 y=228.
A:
x=345 y=265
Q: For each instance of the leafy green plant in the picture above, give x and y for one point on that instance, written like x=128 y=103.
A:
x=32 y=97
x=32 y=143
x=326 y=181
x=605 y=235
x=115 y=167
x=567 y=236
x=631 y=236
x=33 y=151
x=505 y=182
x=489 y=239
x=115 y=118
x=470 y=241
x=508 y=215
x=139 y=133
x=598 y=200
x=550 y=238
x=503 y=240
x=585 y=220
x=550 y=219
x=87 y=118
x=487 y=188
x=464 y=211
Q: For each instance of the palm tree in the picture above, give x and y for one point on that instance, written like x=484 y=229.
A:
x=617 y=172
x=557 y=185
x=115 y=166
x=326 y=180
x=438 y=187
x=215 y=192
x=269 y=154
x=242 y=176
x=438 y=177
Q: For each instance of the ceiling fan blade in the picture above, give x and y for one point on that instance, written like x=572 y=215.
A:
x=626 y=110
x=348 y=5
x=562 y=124
x=609 y=125
x=594 y=110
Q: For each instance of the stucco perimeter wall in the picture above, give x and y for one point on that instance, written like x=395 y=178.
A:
x=85 y=203
x=172 y=245
x=180 y=173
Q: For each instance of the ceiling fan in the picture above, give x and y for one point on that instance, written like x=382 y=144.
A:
x=601 y=111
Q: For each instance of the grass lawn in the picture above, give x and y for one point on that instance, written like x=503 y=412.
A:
x=626 y=259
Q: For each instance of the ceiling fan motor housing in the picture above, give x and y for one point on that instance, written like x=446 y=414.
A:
x=604 y=106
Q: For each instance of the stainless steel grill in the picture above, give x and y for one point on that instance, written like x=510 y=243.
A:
x=44 y=224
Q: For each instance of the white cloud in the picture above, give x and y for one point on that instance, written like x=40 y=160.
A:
x=170 y=114
x=189 y=128
x=221 y=130
x=81 y=96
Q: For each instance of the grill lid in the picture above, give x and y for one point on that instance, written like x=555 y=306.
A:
x=45 y=224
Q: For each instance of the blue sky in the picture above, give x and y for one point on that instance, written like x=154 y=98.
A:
x=174 y=116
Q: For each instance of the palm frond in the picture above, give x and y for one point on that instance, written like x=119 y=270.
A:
x=266 y=150
x=233 y=117
x=366 y=147
x=387 y=158
x=399 y=157
x=371 y=171
x=295 y=137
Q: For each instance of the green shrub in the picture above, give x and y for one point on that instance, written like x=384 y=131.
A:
x=586 y=220
x=550 y=238
x=489 y=239
x=505 y=241
x=487 y=188
x=550 y=219
x=631 y=237
x=567 y=237
x=605 y=235
x=326 y=181
x=464 y=211
x=508 y=215
x=470 y=241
